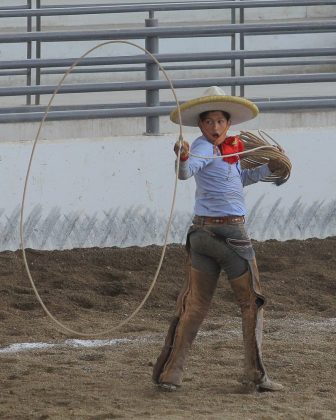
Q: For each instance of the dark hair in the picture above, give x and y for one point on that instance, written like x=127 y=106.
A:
x=204 y=114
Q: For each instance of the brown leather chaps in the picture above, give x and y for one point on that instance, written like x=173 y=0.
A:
x=192 y=306
x=248 y=295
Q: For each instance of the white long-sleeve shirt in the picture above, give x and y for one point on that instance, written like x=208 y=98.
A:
x=219 y=184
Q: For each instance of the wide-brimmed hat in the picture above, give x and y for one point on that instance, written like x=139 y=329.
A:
x=215 y=99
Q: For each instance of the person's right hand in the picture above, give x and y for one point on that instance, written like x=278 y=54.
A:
x=184 y=149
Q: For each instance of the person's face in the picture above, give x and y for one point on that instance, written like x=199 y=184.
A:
x=215 y=126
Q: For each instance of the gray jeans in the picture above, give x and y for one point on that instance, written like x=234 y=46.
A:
x=220 y=247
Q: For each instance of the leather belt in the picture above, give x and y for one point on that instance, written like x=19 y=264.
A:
x=206 y=220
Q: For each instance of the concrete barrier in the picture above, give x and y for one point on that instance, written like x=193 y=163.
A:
x=117 y=191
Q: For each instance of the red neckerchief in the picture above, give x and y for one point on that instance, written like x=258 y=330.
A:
x=230 y=145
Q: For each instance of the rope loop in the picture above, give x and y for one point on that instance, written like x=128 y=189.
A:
x=59 y=324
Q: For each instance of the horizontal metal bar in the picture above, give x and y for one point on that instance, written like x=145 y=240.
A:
x=13 y=73
x=132 y=69
x=158 y=84
x=289 y=63
x=97 y=70
x=42 y=108
x=172 y=32
x=156 y=111
x=167 y=58
x=163 y=7
x=297 y=105
x=187 y=67
x=88 y=114
x=293 y=98
x=10 y=8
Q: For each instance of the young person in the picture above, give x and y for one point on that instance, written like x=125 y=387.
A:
x=217 y=239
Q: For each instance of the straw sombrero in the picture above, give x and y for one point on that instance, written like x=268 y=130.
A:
x=215 y=99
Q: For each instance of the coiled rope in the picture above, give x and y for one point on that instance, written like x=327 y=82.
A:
x=252 y=162
x=258 y=151
x=256 y=157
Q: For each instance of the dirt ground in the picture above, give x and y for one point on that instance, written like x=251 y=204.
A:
x=90 y=290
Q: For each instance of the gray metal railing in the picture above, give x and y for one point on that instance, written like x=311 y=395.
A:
x=172 y=32
x=67 y=10
x=152 y=33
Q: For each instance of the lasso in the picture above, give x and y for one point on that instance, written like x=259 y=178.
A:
x=63 y=327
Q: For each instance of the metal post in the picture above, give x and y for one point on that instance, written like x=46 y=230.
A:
x=38 y=52
x=233 y=48
x=152 y=73
x=29 y=53
x=242 y=47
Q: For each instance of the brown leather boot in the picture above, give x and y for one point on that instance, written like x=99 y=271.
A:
x=192 y=306
x=248 y=294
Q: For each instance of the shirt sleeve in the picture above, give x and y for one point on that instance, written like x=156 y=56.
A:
x=251 y=176
x=194 y=164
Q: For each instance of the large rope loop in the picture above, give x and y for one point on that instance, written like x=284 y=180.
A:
x=59 y=324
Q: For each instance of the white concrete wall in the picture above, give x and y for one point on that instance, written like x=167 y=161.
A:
x=117 y=191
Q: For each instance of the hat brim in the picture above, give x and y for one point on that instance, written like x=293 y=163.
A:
x=240 y=109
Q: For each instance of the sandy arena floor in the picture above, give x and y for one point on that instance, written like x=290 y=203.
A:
x=47 y=375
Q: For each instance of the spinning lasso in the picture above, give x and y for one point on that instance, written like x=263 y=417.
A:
x=63 y=327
